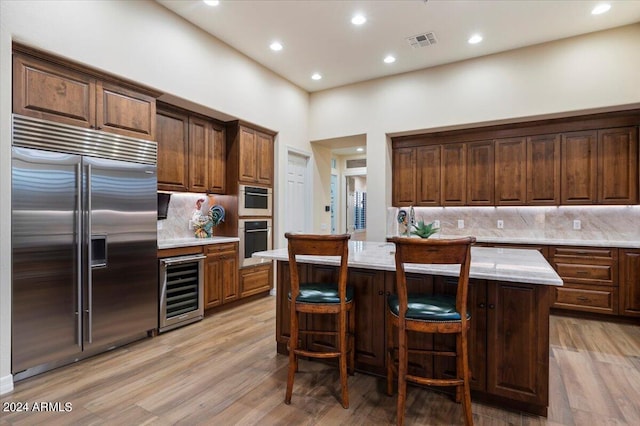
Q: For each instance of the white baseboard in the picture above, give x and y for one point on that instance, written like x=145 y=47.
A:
x=6 y=384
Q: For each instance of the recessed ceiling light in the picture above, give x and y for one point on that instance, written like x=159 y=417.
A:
x=389 y=59
x=275 y=46
x=359 y=149
x=211 y=2
x=316 y=76
x=601 y=8
x=358 y=20
x=475 y=39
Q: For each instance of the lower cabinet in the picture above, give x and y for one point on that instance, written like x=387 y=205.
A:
x=630 y=282
x=221 y=274
x=508 y=339
x=256 y=279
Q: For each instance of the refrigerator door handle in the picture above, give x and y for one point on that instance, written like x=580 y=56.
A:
x=89 y=258
x=79 y=255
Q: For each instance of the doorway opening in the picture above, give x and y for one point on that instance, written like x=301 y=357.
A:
x=356 y=203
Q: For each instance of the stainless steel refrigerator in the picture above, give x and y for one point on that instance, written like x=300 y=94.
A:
x=85 y=275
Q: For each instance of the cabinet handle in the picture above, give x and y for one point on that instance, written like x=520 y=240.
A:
x=481 y=305
x=492 y=306
x=582 y=272
x=380 y=292
x=583 y=299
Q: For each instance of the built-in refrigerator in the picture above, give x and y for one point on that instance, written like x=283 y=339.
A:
x=84 y=244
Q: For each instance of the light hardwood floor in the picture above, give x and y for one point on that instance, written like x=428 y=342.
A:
x=225 y=371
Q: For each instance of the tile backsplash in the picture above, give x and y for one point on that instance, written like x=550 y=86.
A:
x=603 y=223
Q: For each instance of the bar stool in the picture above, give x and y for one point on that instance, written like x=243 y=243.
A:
x=424 y=313
x=321 y=298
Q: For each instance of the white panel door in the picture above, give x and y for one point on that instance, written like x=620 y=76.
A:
x=297 y=194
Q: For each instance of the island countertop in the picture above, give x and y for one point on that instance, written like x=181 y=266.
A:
x=500 y=264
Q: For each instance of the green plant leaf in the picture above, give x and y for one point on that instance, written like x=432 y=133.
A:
x=423 y=230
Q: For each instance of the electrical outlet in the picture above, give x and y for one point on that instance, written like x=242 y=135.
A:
x=577 y=224
x=159 y=225
x=436 y=223
x=460 y=224
x=191 y=225
x=500 y=224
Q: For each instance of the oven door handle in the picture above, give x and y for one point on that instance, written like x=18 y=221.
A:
x=250 y=231
x=182 y=259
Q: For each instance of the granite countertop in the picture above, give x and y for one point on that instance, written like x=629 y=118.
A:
x=187 y=242
x=514 y=265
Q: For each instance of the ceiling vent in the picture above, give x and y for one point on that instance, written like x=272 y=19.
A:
x=422 y=40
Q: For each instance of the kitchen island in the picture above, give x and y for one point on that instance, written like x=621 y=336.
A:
x=509 y=300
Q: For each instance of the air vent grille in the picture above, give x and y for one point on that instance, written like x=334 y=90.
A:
x=353 y=164
x=422 y=40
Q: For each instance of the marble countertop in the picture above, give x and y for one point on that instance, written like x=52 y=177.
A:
x=187 y=242
x=513 y=265
x=552 y=241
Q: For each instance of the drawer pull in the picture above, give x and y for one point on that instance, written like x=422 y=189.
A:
x=583 y=299
x=582 y=272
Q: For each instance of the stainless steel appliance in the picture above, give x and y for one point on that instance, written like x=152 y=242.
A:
x=255 y=201
x=255 y=235
x=181 y=293
x=85 y=276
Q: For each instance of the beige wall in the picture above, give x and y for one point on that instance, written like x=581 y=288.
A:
x=594 y=72
x=144 y=42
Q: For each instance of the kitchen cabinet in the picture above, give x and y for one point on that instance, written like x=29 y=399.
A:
x=543 y=170
x=256 y=279
x=404 y=177
x=221 y=274
x=60 y=93
x=590 y=276
x=510 y=171
x=191 y=152
x=579 y=167
x=617 y=166
x=416 y=176
x=454 y=175
x=630 y=282
x=255 y=157
x=480 y=173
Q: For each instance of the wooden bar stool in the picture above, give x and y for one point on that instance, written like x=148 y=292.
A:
x=429 y=314
x=321 y=298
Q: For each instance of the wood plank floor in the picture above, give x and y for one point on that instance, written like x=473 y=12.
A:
x=225 y=371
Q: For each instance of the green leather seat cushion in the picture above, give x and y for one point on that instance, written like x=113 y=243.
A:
x=427 y=308
x=321 y=293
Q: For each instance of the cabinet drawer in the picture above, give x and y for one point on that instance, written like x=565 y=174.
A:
x=255 y=280
x=587 y=298
x=220 y=248
x=585 y=252
x=586 y=274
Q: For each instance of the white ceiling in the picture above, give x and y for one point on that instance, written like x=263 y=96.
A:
x=318 y=36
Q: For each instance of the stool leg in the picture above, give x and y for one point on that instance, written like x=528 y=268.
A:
x=466 y=376
x=343 y=358
x=389 y=355
x=402 y=373
x=352 y=334
x=293 y=362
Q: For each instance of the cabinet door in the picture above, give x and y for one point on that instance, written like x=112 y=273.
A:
x=543 y=170
x=404 y=177
x=370 y=297
x=510 y=171
x=578 y=170
x=480 y=176
x=247 y=167
x=618 y=166
x=454 y=175
x=199 y=141
x=264 y=159
x=630 y=282
x=212 y=289
x=254 y=280
x=50 y=92
x=125 y=112
x=428 y=175
x=173 y=150
x=217 y=160
x=229 y=276
x=518 y=342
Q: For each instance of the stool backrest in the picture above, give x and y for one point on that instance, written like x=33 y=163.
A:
x=318 y=245
x=434 y=252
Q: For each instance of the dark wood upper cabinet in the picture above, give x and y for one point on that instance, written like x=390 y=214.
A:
x=618 y=166
x=173 y=150
x=480 y=173
x=217 y=160
x=510 y=171
x=404 y=176
x=264 y=160
x=428 y=172
x=454 y=175
x=51 y=91
x=579 y=167
x=199 y=141
x=543 y=170
x=255 y=157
